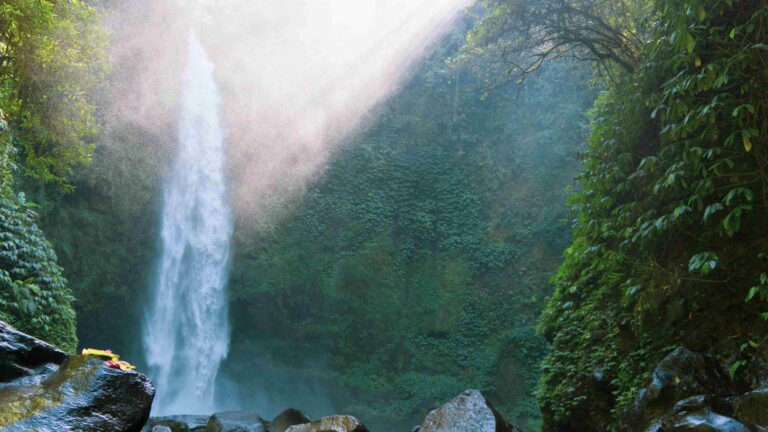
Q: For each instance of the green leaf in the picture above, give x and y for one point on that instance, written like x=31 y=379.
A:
x=681 y=210
x=732 y=223
x=752 y=293
x=690 y=42
x=735 y=367
x=746 y=194
x=741 y=107
x=711 y=210
x=747 y=143
x=703 y=262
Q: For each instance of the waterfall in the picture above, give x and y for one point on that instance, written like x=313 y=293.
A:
x=186 y=333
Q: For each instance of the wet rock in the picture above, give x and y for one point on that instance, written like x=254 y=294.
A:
x=678 y=377
x=44 y=390
x=695 y=414
x=469 y=411
x=236 y=421
x=752 y=407
x=703 y=421
x=338 y=423
x=286 y=419
x=22 y=355
x=178 y=423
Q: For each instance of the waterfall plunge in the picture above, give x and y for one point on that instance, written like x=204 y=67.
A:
x=186 y=334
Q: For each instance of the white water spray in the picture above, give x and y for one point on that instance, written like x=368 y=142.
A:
x=186 y=333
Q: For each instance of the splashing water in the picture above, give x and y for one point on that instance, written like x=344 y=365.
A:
x=186 y=333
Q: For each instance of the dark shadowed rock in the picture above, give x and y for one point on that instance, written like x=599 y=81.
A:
x=757 y=368
x=178 y=423
x=589 y=413
x=703 y=421
x=678 y=377
x=286 y=419
x=338 y=423
x=501 y=424
x=22 y=355
x=752 y=407
x=695 y=414
x=469 y=411
x=236 y=421
x=45 y=390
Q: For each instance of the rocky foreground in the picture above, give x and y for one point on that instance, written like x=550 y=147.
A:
x=469 y=412
x=43 y=389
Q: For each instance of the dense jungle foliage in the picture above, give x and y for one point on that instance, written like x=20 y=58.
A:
x=669 y=226
x=51 y=58
x=418 y=264
x=33 y=293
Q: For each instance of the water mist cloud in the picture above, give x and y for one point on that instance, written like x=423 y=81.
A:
x=297 y=76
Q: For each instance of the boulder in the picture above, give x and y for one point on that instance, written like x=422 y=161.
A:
x=337 y=423
x=696 y=415
x=678 y=377
x=236 y=421
x=469 y=411
x=44 y=390
x=752 y=407
x=178 y=423
x=22 y=355
x=702 y=421
x=286 y=419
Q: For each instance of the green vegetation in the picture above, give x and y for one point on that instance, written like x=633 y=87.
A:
x=421 y=259
x=33 y=293
x=51 y=59
x=418 y=264
x=669 y=226
x=105 y=234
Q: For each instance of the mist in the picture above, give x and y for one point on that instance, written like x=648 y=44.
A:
x=297 y=78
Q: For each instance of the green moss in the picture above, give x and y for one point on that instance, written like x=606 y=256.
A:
x=71 y=380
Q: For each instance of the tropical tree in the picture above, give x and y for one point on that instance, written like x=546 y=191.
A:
x=52 y=58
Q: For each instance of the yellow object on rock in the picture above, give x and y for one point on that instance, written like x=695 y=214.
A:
x=113 y=359
x=101 y=353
